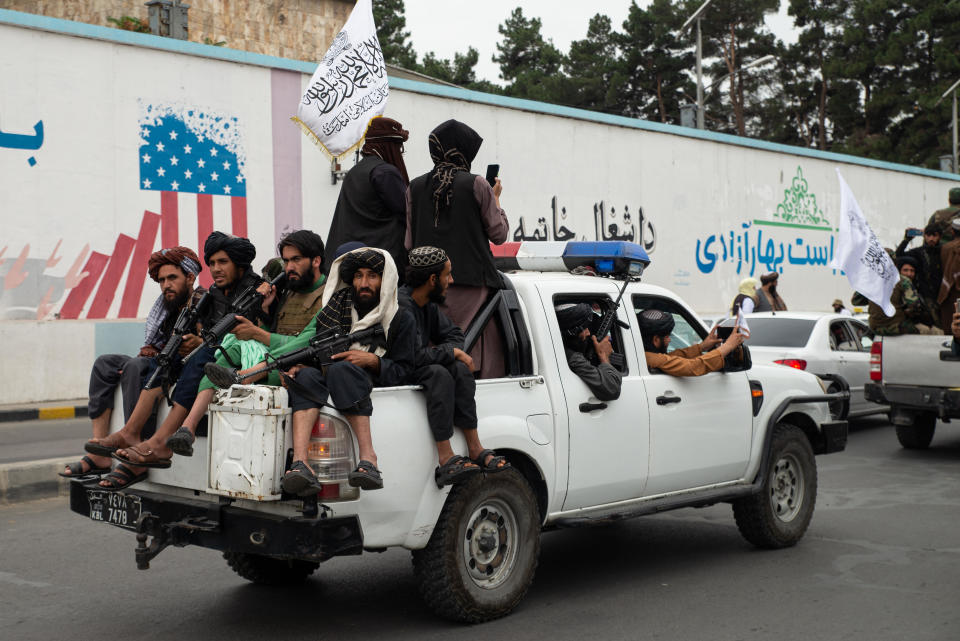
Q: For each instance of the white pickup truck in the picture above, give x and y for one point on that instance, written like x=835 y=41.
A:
x=919 y=378
x=746 y=436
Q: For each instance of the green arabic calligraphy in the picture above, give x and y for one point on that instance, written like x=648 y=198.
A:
x=799 y=205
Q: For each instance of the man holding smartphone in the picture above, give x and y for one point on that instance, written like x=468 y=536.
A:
x=929 y=266
x=695 y=360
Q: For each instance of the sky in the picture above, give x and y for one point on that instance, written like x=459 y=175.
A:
x=447 y=27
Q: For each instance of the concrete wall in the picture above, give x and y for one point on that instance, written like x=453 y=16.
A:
x=94 y=180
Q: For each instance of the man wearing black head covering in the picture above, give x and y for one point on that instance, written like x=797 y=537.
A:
x=767 y=297
x=588 y=358
x=695 y=360
x=450 y=207
x=371 y=207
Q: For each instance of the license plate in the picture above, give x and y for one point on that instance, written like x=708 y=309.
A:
x=116 y=508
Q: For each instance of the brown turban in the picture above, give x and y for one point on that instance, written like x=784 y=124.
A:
x=385 y=138
x=183 y=257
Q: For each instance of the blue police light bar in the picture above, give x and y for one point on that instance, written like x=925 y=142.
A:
x=613 y=258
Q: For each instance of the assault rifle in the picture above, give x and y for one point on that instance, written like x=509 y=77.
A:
x=246 y=304
x=606 y=324
x=186 y=324
x=318 y=353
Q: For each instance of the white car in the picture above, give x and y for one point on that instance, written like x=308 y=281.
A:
x=828 y=345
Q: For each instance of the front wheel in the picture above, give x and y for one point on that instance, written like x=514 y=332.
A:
x=778 y=516
x=918 y=435
x=483 y=552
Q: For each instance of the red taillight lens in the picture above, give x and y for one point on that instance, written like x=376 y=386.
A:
x=876 y=361
x=796 y=363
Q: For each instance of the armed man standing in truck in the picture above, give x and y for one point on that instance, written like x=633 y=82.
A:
x=587 y=357
x=302 y=255
x=229 y=259
x=695 y=360
x=444 y=369
x=929 y=266
x=943 y=217
x=175 y=269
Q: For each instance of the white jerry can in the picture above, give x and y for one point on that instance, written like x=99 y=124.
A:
x=247 y=439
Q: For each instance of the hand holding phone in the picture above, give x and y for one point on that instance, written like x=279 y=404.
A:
x=493 y=171
x=912 y=232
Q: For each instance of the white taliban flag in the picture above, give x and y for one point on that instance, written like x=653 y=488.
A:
x=869 y=268
x=349 y=87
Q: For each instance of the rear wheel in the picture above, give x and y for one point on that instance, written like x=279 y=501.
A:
x=267 y=570
x=778 y=516
x=483 y=552
x=918 y=435
x=839 y=408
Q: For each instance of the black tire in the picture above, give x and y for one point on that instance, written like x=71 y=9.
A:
x=266 y=570
x=778 y=516
x=839 y=409
x=461 y=576
x=918 y=435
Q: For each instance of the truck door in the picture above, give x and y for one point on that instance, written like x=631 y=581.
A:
x=608 y=440
x=701 y=427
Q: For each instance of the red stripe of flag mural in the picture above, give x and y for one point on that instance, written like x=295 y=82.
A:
x=181 y=152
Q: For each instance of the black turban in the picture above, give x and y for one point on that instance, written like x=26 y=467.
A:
x=573 y=318
x=347 y=247
x=453 y=146
x=907 y=260
x=358 y=259
x=769 y=277
x=240 y=250
x=653 y=322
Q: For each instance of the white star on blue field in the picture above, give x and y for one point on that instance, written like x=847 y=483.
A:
x=175 y=158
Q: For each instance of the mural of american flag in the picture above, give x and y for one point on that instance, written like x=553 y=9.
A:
x=195 y=162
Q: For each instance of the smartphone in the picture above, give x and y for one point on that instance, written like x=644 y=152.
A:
x=492 y=172
x=913 y=232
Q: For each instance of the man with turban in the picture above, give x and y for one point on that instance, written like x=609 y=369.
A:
x=229 y=259
x=302 y=257
x=910 y=314
x=444 y=370
x=371 y=207
x=587 y=357
x=695 y=360
x=361 y=293
x=746 y=298
x=175 y=269
x=768 y=300
x=451 y=208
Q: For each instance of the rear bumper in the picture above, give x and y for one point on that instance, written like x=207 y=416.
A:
x=221 y=526
x=943 y=402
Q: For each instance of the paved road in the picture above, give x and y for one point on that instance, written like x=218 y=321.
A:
x=880 y=561
x=34 y=440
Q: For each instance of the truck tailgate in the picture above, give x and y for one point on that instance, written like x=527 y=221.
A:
x=915 y=360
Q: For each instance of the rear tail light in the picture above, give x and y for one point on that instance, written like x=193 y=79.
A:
x=796 y=363
x=876 y=360
x=756 y=395
x=330 y=455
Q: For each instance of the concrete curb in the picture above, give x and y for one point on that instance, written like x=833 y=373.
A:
x=31 y=480
x=41 y=413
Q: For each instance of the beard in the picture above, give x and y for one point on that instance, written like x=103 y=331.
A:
x=364 y=304
x=173 y=305
x=437 y=295
x=299 y=282
x=773 y=290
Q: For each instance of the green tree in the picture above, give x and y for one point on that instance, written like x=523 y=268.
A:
x=656 y=62
x=530 y=64
x=734 y=34
x=394 y=39
x=459 y=71
x=593 y=67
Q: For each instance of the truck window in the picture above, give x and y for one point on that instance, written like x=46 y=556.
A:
x=599 y=303
x=687 y=331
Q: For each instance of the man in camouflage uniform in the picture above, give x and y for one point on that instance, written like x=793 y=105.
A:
x=950 y=284
x=942 y=217
x=909 y=308
x=930 y=268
